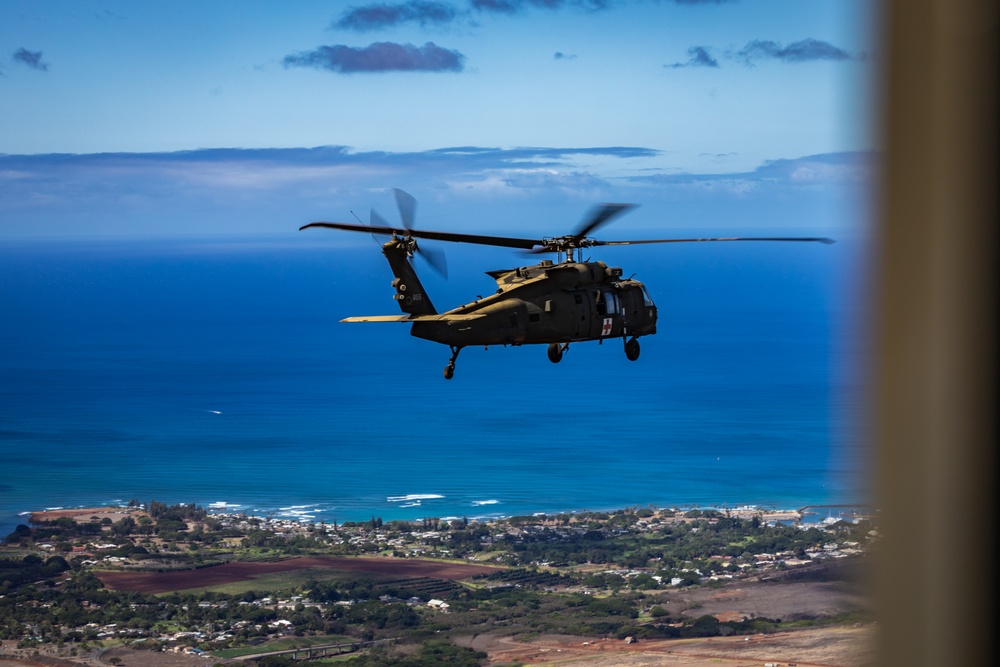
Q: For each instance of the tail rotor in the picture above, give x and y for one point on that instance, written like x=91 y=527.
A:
x=407 y=206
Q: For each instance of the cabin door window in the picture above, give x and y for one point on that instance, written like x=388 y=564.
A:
x=610 y=302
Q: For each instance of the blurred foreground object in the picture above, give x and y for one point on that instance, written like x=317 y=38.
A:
x=934 y=354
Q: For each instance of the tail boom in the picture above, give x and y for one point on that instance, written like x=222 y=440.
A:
x=410 y=293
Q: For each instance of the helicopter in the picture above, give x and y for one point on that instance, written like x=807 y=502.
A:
x=553 y=303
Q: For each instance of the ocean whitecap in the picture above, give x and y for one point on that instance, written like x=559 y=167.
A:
x=222 y=505
x=297 y=513
x=413 y=496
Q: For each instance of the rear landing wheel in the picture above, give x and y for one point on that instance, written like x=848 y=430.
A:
x=449 y=370
x=632 y=349
x=555 y=352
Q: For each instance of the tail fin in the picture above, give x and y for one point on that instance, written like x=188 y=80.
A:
x=409 y=291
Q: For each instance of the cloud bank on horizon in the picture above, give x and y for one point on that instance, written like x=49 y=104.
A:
x=470 y=188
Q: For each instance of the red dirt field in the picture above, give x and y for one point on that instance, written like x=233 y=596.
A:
x=819 y=647
x=165 y=582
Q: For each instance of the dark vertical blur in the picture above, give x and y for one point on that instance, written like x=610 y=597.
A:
x=935 y=338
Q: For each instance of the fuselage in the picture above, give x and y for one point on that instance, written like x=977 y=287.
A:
x=549 y=303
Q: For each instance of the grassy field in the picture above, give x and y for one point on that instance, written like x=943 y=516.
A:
x=292 y=582
x=277 y=582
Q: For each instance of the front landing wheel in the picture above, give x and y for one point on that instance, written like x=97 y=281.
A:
x=449 y=371
x=632 y=349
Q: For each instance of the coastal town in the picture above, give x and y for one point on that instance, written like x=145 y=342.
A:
x=217 y=585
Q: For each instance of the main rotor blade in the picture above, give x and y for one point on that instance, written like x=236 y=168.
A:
x=528 y=244
x=452 y=237
x=601 y=216
x=721 y=238
x=407 y=207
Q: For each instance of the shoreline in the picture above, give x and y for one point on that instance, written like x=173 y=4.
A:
x=311 y=514
x=115 y=512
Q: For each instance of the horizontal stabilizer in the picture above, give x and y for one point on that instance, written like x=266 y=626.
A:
x=442 y=317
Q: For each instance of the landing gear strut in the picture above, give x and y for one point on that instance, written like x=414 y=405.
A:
x=556 y=351
x=449 y=370
x=632 y=349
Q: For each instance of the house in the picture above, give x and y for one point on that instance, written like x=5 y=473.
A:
x=440 y=605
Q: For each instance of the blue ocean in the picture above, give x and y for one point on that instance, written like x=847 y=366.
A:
x=215 y=371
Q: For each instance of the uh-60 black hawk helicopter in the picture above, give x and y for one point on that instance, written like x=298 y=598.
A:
x=559 y=302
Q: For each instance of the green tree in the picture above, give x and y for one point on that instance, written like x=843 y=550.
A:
x=658 y=612
x=21 y=532
x=124 y=526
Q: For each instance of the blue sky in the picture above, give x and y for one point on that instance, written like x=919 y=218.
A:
x=153 y=118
